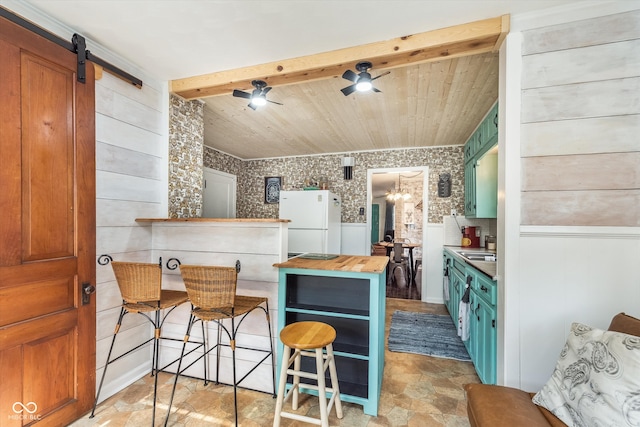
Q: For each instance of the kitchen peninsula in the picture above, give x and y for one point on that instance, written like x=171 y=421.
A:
x=257 y=244
x=348 y=293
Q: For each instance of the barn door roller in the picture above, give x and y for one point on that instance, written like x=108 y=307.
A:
x=77 y=46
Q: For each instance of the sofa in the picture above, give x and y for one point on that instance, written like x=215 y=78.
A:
x=495 y=406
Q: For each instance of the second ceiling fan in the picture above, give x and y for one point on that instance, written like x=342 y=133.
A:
x=362 y=80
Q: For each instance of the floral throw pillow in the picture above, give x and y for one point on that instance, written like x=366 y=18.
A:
x=596 y=381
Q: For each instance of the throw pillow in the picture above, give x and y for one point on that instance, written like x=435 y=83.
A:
x=596 y=381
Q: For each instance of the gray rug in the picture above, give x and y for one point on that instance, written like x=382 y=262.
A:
x=428 y=334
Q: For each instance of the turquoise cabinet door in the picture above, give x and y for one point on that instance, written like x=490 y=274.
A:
x=472 y=348
x=470 y=190
x=484 y=317
x=457 y=289
x=447 y=266
x=481 y=169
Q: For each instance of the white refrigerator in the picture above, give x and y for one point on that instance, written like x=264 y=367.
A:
x=315 y=221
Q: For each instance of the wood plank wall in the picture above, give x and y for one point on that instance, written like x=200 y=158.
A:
x=131 y=163
x=580 y=119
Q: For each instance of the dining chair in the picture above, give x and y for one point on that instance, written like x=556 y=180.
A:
x=212 y=292
x=399 y=266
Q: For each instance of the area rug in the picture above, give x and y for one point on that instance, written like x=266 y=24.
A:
x=428 y=334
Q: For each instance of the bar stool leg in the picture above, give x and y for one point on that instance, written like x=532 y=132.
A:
x=334 y=381
x=322 y=394
x=296 y=379
x=232 y=343
x=104 y=371
x=192 y=320
x=204 y=343
x=154 y=368
x=282 y=381
x=273 y=361
x=218 y=354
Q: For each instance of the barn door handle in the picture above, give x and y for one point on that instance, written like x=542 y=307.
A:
x=87 y=290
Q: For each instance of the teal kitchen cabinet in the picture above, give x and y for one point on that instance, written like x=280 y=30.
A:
x=481 y=169
x=482 y=343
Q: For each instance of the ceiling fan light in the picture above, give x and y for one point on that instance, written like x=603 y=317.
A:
x=363 y=85
x=258 y=101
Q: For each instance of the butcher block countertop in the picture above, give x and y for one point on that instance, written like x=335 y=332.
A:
x=348 y=263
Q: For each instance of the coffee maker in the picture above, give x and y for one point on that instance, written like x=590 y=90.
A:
x=470 y=237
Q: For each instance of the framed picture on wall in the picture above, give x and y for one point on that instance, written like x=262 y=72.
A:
x=272 y=186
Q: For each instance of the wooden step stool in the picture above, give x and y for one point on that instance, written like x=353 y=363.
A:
x=303 y=337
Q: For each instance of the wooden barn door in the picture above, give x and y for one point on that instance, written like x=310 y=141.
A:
x=47 y=232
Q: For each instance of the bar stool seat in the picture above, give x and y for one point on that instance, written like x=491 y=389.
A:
x=302 y=337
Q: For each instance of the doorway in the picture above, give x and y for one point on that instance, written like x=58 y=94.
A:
x=401 y=198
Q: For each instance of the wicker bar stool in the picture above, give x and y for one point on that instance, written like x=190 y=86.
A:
x=302 y=337
x=212 y=292
x=141 y=287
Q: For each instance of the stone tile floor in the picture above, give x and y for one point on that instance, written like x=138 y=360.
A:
x=417 y=391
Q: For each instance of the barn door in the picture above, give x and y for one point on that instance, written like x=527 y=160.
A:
x=47 y=232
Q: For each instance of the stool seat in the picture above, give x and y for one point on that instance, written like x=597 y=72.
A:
x=307 y=335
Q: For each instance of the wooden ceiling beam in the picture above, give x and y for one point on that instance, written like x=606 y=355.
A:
x=460 y=40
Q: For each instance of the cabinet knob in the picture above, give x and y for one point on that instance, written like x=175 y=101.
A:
x=483 y=288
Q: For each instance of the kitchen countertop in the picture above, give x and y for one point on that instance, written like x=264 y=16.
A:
x=487 y=267
x=348 y=263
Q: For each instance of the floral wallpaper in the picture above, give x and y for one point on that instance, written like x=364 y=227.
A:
x=186 y=142
x=294 y=170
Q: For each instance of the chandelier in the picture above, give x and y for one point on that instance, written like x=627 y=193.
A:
x=394 y=195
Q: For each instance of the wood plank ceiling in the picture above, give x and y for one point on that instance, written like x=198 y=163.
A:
x=428 y=102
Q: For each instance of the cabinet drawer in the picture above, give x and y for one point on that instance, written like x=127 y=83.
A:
x=451 y=262
x=484 y=287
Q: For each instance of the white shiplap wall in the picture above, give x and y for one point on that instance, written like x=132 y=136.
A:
x=131 y=163
x=577 y=78
x=575 y=253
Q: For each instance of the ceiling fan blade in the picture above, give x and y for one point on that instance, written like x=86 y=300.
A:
x=375 y=90
x=350 y=75
x=250 y=105
x=348 y=90
x=274 y=102
x=241 y=94
x=383 y=74
x=266 y=90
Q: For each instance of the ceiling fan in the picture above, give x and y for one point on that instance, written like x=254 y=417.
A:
x=258 y=97
x=361 y=81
